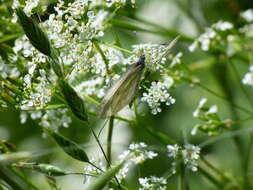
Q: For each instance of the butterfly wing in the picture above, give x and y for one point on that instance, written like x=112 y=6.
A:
x=122 y=92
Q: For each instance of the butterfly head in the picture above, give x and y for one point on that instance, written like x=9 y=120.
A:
x=141 y=61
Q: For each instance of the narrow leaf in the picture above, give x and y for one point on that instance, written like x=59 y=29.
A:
x=75 y=103
x=105 y=178
x=36 y=36
x=70 y=147
x=47 y=169
x=39 y=40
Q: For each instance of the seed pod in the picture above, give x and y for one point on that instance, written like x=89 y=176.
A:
x=124 y=90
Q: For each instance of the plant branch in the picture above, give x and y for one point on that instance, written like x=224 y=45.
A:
x=109 y=140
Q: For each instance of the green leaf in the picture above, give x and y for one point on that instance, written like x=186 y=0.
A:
x=39 y=40
x=52 y=182
x=47 y=169
x=75 y=103
x=36 y=36
x=9 y=37
x=105 y=178
x=70 y=147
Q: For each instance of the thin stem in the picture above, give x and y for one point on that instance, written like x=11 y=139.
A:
x=181 y=178
x=101 y=148
x=210 y=178
x=247 y=184
x=119 y=48
x=109 y=141
x=25 y=179
x=171 y=33
x=103 y=56
x=241 y=86
x=209 y=165
x=224 y=98
x=9 y=179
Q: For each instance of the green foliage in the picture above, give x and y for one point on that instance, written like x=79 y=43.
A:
x=70 y=147
x=101 y=182
x=34 y=33
x=47 y=169
x=73 y=100
x=77 y=60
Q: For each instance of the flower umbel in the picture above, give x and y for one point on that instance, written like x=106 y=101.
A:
x=189 y=155
x=157 y=94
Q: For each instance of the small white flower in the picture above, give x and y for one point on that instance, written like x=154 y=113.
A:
x=248 y=77
x=23 y=117
x=173 y=150
x=176 y=59
x=223 y=26
x=213 y=109
x=195 y=130
x=247 y=15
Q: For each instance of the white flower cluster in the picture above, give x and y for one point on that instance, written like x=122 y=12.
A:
x=93 y=171
x=247 y=29
x=211 y=34
x=212 y=125
x=8 y=70
x=49 y=118
x=157 y=94
x=189 y=153
x=248 y=77
x=152 y=182
x=36 y=95
x=136 y=154
x=154 y=54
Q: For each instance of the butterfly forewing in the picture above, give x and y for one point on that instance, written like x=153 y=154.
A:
x=123 y=91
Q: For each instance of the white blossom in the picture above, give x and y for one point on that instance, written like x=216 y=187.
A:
x=30 y=5
x=213 y=109
x=199 y=107
x=136 y=154
x=248 y=77
x=157 y=94
x=191 y=154
x=247 y=15
x=211 y=34
x=154 y=55
x=173 y=150
x=152 y=182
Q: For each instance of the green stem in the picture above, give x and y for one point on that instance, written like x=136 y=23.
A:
x=224 y=98
x=216 y=170
x=9 y=178
x=119 y=48
x=241 y=86
x=128 y=26
x=103 y=56
x=101 y=148
x=247 y=184
x=181 y=178
x=210 y=178
x=109 y=140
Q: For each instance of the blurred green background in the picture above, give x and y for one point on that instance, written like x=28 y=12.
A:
x=188 y=17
